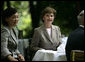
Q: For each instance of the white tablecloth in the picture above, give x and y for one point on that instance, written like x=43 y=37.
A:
x=49 y=55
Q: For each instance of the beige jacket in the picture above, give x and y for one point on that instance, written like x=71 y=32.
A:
x=41 y=39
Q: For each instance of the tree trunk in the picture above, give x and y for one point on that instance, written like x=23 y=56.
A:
x=8 y=4
x=35 y=14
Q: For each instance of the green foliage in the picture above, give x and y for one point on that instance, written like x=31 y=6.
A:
x=65 y=18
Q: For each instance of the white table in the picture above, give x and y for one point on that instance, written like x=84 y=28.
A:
x=49 y=55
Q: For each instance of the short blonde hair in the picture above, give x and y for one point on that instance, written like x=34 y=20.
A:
x=79 y=17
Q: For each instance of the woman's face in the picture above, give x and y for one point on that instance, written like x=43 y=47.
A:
x=48 y=18
x=13 y=20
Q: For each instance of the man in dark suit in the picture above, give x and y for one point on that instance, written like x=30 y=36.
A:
x=76 y=38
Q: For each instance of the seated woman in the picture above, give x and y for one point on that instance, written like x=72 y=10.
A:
x=9 y=36
x=47 y=36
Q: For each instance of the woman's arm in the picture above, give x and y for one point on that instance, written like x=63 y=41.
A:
x=35 y=41
x=4 y=42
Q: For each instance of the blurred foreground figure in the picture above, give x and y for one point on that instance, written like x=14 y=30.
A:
x=76 y=38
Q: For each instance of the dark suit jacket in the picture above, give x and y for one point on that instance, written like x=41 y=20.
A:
x=75 y=41
x=9 y=42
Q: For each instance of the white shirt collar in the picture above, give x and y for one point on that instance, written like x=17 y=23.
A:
x=82 y=26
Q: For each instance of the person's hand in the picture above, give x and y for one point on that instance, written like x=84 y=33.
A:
x=10 y=58
x=21 y=58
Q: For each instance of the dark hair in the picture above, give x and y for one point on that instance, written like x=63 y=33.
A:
x=48 y=10
x=7 y=13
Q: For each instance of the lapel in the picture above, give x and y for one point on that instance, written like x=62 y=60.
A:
x=13 y=35
x=47 y=35
x=53 y=33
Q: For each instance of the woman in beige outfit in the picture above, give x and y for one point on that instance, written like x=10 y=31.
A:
x=47 y=36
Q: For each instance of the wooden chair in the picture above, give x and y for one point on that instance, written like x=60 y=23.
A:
x=77 y=55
